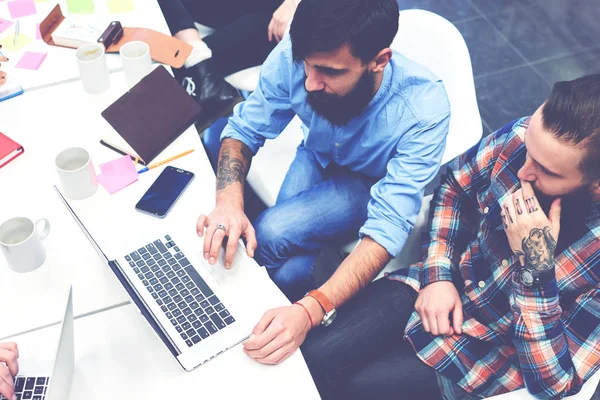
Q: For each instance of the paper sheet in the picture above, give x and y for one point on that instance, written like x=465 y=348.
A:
x=5 y=24
x=9 y=46
x=117 y=174
x=31 y=60
x=21 y=8
x=80 y=6
x=120 y=6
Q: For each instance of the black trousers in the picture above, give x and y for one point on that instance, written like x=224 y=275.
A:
x=240 y=40
x=362 y=354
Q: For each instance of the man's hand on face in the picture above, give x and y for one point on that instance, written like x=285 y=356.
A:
x=225 y=220
x=532 y=235
x=9 y=368
x=2 y=73
x=278 y=335
x=436 y=304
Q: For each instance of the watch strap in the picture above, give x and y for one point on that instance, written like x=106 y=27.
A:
x=326 y=305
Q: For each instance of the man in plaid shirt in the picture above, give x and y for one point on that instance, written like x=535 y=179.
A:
x=508 y=295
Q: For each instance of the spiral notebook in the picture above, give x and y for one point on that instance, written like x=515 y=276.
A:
x=153 y=113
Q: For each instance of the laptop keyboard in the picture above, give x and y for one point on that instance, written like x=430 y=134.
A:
x=185 y=298
x=32 y=388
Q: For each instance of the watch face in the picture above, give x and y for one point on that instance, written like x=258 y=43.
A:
x=527 y=277
x=329 y=317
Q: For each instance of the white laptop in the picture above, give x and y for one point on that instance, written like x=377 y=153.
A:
x=198 y=311
x=37 y=383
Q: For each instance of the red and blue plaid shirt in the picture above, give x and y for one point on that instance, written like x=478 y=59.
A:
x=546 y=339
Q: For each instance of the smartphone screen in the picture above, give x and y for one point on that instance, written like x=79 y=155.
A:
x=164 y=191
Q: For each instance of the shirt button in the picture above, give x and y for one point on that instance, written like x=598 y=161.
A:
x=337 y=144
x=486 y=210
x=505 y=263
x=481 y=284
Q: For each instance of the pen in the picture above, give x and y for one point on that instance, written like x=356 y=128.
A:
x=158 y=164
x=16 y=33
x=121 y=151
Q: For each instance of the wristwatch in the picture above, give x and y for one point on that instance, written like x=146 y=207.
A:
x=326 y=305
x=535 y=279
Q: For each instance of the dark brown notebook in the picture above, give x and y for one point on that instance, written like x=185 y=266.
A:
x=153 y=113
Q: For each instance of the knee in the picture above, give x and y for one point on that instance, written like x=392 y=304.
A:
x=270 y=232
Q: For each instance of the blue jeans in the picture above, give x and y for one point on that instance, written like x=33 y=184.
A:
x=316 y=207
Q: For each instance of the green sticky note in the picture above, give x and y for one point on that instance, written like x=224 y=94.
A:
x=80 y=6
x=120 y=6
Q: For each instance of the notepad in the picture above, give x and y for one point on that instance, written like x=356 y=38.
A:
x=10 y=89
x=31 y=60
x=5 y=24
x=21 y=8
x=117 y=174
x=9 y=45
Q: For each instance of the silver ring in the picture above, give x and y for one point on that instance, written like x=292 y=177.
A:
x=221 y=226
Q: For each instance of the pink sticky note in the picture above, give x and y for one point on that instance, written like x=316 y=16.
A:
x=38 y=34
x=4 y=24
x=117 y=174
x=21 y=8
x=31 y=60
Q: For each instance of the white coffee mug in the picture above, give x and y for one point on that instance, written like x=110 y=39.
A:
x=76 y=173
x=137 y=62
x=21 y=243
x=92 y=68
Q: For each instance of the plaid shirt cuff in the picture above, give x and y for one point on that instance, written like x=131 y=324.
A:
x=437 y=269
x=542 y=299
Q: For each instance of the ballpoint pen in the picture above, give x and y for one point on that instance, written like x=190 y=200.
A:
x=158 y=164
x=16 y=33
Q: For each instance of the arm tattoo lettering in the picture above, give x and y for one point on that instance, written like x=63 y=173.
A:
x=538 y=250
x=232 y=169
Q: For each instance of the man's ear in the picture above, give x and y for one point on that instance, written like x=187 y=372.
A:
x=596 y=189
x=381 y=60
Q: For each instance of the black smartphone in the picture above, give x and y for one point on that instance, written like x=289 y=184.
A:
x=165 y=190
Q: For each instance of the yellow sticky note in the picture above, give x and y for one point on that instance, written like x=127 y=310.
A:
x=8 y=43
x=41 y=1
x=120 y=6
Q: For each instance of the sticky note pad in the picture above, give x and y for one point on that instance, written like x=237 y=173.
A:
x=21 y=8
x=117 y=174
x=38 y=34
x=8 y=44
x=120 y=6
x=80 y=6
x=5 y=24
x=31 y=60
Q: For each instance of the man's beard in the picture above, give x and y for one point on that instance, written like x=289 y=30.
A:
x=340 y=110
x=575 y=205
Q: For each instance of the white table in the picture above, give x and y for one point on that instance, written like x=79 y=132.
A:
x=118 y=356
x=75 y=120
x=60 y=64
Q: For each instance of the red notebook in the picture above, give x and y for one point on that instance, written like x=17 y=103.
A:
x=9 y=150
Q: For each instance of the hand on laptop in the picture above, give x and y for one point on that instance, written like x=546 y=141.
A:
x=9 y=367
x=278 y=335
x=225 y=220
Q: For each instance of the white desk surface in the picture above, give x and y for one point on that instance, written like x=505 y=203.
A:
x=118 y=356
x=60 y=64
x=46 y=122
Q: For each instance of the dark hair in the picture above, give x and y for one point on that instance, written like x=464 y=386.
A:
x=368 y=26
x=572 y=114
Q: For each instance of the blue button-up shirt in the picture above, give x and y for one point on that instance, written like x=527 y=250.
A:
x=399 y=138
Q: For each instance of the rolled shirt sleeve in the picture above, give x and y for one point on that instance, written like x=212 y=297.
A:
x=397 y=198
x=267 y=111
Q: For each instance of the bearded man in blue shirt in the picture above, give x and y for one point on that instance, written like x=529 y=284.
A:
x=375 y=125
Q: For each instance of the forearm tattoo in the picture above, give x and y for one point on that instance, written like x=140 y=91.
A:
x=538 y=250
x=232 y=169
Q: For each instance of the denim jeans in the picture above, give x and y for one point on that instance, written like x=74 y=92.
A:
x=316 y=207
x=362 y=354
